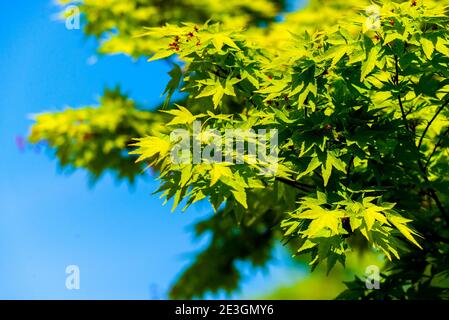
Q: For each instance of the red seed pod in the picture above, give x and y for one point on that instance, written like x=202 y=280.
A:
x=328 y=127
x=87 y=136
x=414 y=3
x=392 y=22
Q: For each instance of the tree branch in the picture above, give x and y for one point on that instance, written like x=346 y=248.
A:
x=350 y=165
x=396 y=82
x=423 y=170
x=421 y=140
x=433 y=193
x=301 y=186
x=440 y=140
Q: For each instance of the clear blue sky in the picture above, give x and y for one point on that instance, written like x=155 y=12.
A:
x=126 y=244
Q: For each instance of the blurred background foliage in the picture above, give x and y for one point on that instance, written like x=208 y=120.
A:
x=320 y=285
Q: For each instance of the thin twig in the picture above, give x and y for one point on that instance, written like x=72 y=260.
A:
x=301 y=186
x=423 y=170
x=421 y=140
x=350 y=165
x=433 y=193
x=396 y=82
x=437 y=145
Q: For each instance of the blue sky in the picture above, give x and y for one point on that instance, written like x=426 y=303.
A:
x=126 y=244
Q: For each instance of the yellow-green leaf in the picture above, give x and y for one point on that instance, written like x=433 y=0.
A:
x=441 y=47
x=161 y=55
x=369 y=64
x=428 y=47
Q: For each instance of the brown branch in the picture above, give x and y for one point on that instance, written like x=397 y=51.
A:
x=300 y=186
